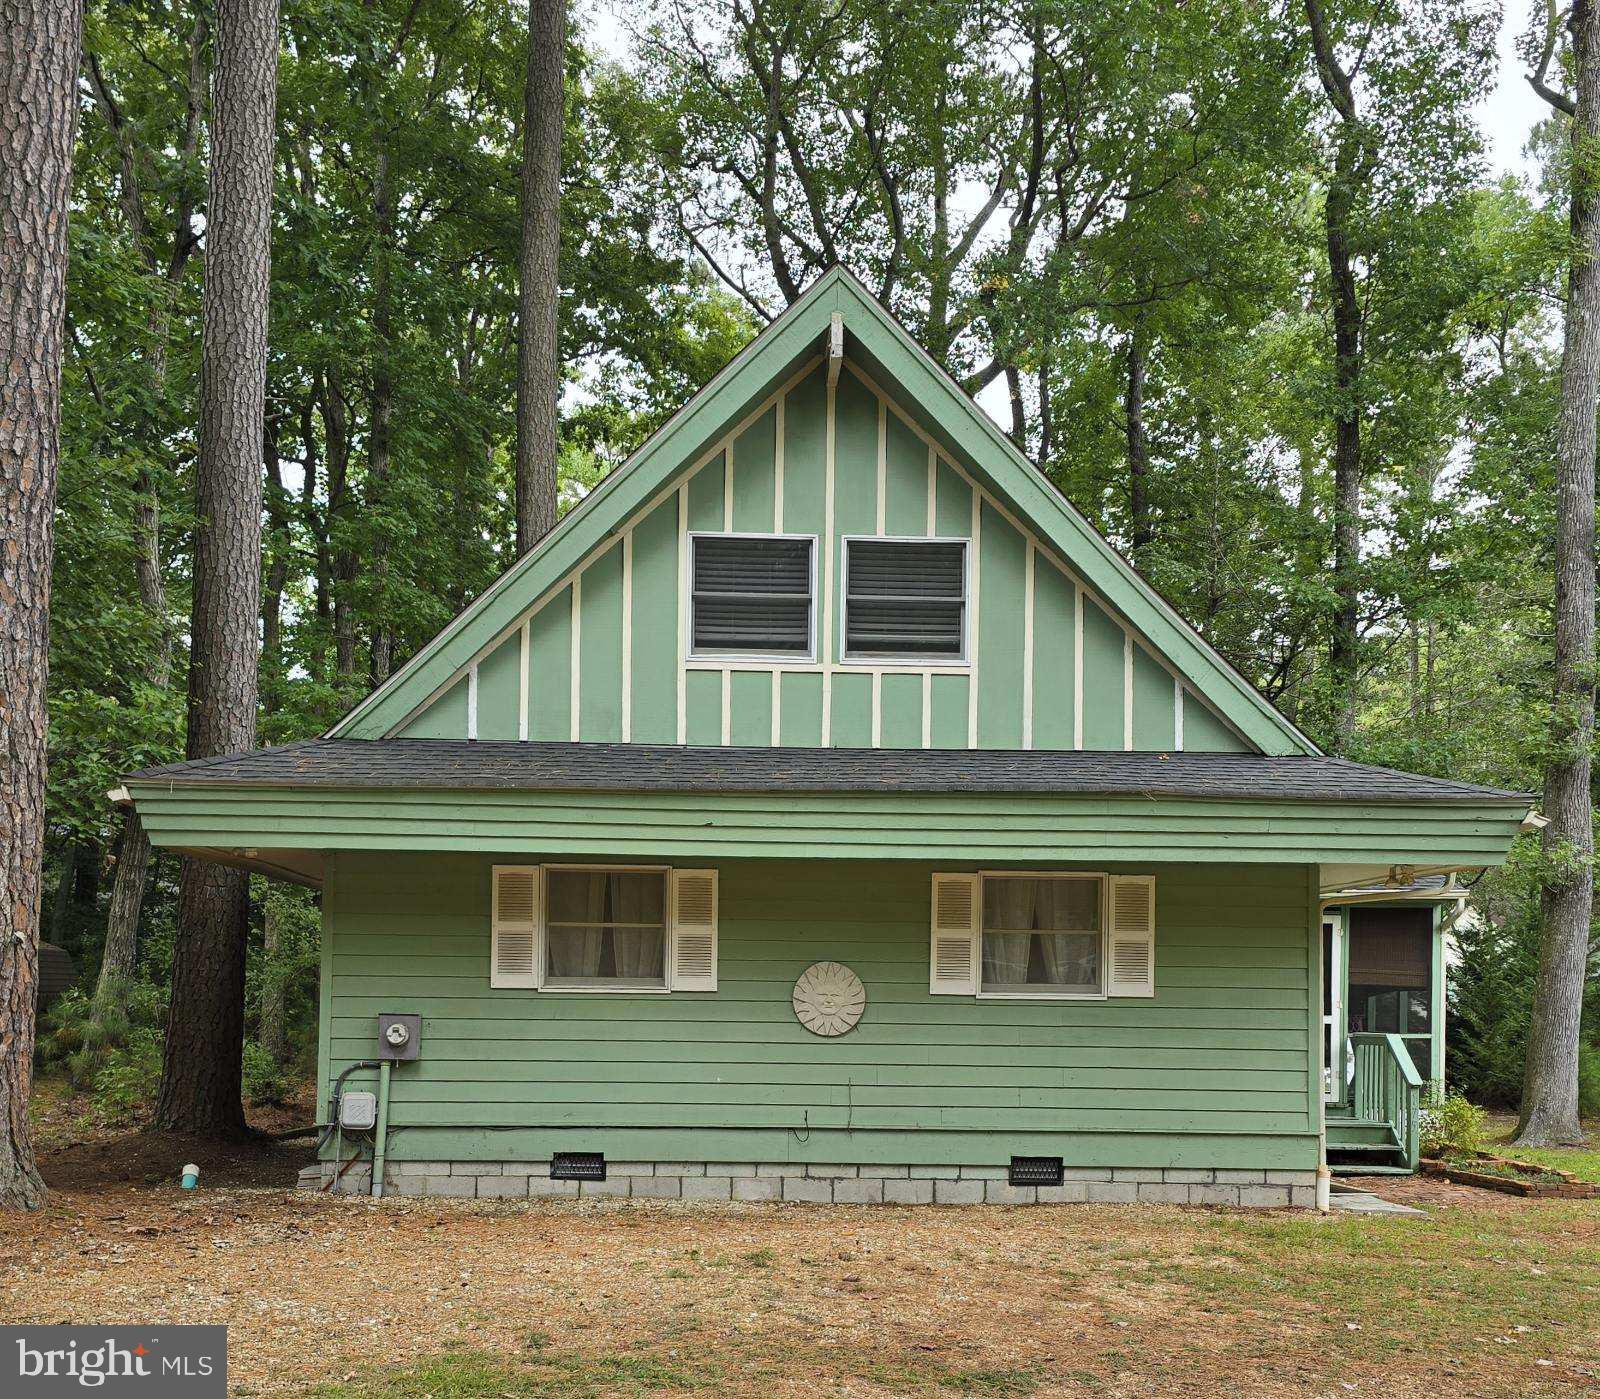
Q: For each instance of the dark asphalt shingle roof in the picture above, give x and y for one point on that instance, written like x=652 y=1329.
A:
x=509 y=765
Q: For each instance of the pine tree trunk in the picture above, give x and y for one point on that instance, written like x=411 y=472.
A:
x=538 y=374
x=1139 y=530
x=205 y=1029
x=39 y=42
x=131 y=863
x=1550 y=1083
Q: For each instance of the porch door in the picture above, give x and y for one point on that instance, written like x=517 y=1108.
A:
x=1332 y=1007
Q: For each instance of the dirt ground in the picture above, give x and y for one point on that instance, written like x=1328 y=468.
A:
x=1489 y=1295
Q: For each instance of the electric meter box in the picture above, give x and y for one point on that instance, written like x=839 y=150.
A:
x=358 y=1110
x=399 y=1037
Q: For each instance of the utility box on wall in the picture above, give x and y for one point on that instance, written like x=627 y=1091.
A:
x=399 y=1037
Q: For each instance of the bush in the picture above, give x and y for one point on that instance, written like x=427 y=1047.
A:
x=86 y=1035
x=263 y=1081
x=129 y=1078
x=1451 y=1123
x=1588 y=1081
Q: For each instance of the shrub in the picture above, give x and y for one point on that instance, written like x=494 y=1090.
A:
x=263 y=1081
x=129 y=1078
x=1451 y=1123
x=86 y=1034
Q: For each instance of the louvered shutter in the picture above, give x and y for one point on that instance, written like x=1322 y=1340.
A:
x=693 y=963
x=514 y=921
x=954 y=953
x=1133 y=936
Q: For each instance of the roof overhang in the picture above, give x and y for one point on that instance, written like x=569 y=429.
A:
x=281 y=811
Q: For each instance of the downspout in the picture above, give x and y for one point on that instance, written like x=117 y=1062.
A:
x=380 y=1146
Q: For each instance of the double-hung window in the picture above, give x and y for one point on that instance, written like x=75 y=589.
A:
x=605 y=928
x=1043 y=935
x=905 y=600
x=751 y=595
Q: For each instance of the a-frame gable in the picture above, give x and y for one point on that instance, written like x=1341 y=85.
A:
x=583 y=638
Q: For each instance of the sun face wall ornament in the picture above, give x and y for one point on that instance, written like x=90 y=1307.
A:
x=829 y=999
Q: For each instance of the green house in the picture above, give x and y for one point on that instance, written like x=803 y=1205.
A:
x=824 y=811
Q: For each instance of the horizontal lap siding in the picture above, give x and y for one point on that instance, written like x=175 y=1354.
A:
x=1219 y=1056
x=853 y=825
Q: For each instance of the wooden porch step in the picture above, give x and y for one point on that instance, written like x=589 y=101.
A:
x=1366 y=1168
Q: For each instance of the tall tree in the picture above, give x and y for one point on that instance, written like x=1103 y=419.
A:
x=538 y=373
x=39 y=42
x=164 y=248
x=205 y=1032
x=1549 y=1114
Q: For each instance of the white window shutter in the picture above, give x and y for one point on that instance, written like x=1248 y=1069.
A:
x=1133 y=936
x=692 y=965
x=514 y=920
x=955 y=950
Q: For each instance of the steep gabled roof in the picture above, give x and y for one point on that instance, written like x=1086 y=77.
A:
x=883 y=346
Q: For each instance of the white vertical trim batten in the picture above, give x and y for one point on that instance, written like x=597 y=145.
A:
x=1177 y=715
x=777 y=466
x=1077 y=665
x=827 y=561
x=727 y=486
x=777 y=707
x=974 y=576
x=727 y=706
x=1127 y=690
x=927 y=709
x=577 y=657
x=522 y=681
x=472 y=700
x=877 y=709
x=883 y=465
x=933 y=490
x=1027 y=646
x=683 y=612
x=627 y=636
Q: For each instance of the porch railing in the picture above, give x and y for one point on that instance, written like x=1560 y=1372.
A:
x=1387 y=1088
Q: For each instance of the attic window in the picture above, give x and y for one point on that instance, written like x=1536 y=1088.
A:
x=905 y=599
x=752 y=595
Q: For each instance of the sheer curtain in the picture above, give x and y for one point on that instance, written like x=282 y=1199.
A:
x=576 y=898
x=638 y=898
x=1011 y=906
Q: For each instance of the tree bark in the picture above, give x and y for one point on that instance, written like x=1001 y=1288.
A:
x=1549 y=1113
x=131 y=863
x=1140 y=532
x=1337 y=214
x=382 y=408
x=274 y=1032
x=39 y=42
x=205 y=1029
x=538 y=373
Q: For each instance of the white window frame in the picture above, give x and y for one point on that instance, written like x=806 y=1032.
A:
x=916 y=662
x=1104 y=881
x=572 y=987
x=721 y=660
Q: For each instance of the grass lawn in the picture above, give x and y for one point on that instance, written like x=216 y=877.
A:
x=1582 y=1161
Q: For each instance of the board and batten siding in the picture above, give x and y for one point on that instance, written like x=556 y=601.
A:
x=1213 y=1071
x=602 y=656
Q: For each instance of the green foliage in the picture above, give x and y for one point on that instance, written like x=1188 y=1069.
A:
x=88 y=1035
x=1451 y=1122
x=263 y=1080
x=128 y=1081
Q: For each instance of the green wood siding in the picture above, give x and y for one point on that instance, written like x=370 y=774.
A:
x=1211 y=1072
x=853 y=825
x=878 y=472
x=775 y=398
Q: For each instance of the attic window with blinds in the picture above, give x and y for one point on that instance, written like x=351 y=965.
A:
x=751 y=595
x=905 y=600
